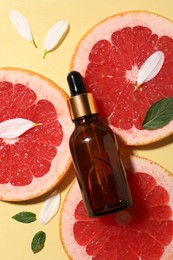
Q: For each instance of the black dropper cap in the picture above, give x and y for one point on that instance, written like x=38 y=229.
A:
x=76 y=84
x=81 y=103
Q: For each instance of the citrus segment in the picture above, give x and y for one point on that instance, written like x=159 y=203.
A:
x=144 y=231
x=36 y=161
x=109 y=57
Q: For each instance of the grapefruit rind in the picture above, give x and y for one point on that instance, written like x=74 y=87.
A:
x=73 y=197
x=103 y=30
x=137 y=137
x=61 y=164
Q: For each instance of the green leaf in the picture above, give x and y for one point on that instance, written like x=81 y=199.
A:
x=38 y=241
x=25 y=217
x=159 y=114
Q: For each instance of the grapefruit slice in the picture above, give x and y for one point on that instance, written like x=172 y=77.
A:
x=109 y=57
x=144 y=231
x=36 y=161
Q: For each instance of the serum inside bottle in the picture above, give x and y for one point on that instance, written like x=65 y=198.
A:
x=95 y=155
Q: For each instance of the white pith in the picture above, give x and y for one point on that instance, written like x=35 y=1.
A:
x=132 y=74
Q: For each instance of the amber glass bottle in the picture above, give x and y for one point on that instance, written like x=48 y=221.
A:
x=95 y=155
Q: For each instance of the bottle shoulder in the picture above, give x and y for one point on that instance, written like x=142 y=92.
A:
x=98 y=125
x=89 y=131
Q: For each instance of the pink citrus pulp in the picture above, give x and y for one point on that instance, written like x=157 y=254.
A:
x=36 y=161
x=144 y=231
x=110 y=56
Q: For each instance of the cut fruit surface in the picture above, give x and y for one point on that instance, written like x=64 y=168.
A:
x=144 y=231
x=110 y=56
x=36 y=161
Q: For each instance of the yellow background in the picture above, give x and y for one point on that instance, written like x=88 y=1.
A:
x=15 y=238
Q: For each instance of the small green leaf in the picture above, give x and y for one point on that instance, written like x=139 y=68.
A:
x=159 y=114
x=38 y=241
x=25 y=217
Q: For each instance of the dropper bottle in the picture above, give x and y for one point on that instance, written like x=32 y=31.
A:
x=95 y=154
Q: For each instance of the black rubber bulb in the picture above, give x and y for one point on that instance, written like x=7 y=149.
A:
x=75 y=83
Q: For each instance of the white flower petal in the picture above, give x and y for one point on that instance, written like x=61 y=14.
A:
x=15 y=127
x=150 y=68
x=22 y=26
x=55 y=35
x=50 y=208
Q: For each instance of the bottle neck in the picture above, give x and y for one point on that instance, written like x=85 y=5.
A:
x=86 y=119
x=82 y=105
